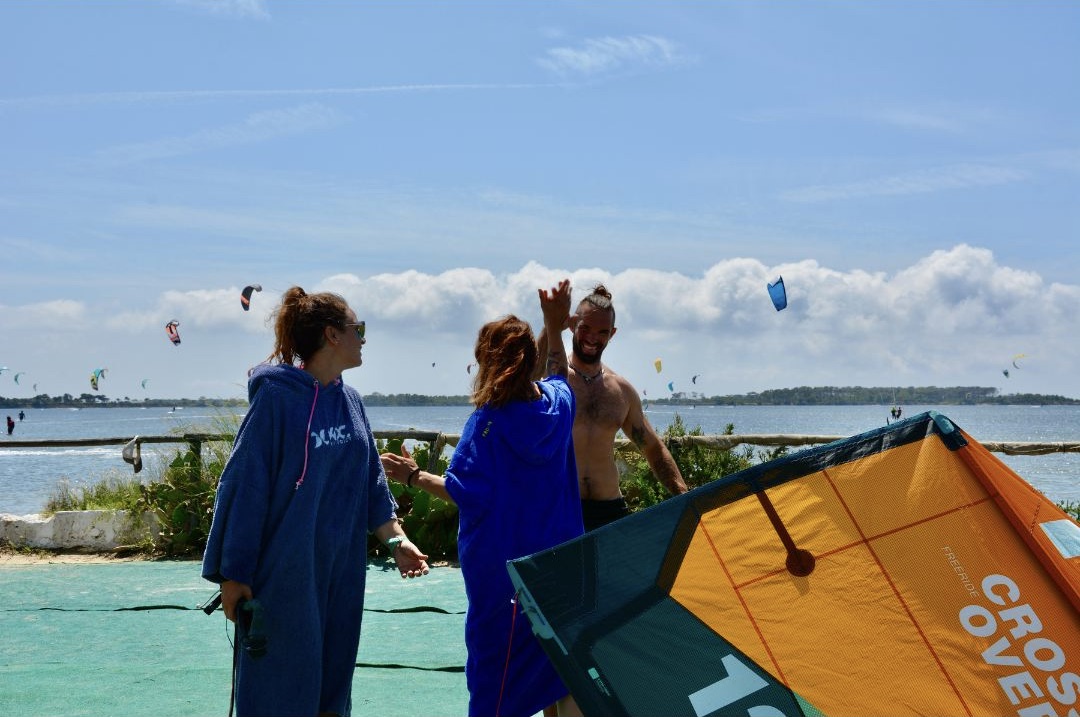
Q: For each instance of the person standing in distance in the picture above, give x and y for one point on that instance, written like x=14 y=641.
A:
x=297 y=498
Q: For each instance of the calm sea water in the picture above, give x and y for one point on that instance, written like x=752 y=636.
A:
x=28 y=476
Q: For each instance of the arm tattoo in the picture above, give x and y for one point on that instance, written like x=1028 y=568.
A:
x=555 y=362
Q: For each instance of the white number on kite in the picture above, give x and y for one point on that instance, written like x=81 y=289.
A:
x=740 y=682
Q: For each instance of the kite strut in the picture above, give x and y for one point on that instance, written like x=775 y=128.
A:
x=800 y=563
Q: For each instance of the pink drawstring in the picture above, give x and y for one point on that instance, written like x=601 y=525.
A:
x=509 y=644
x=307 y=436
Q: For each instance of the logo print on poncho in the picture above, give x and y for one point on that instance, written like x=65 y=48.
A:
x=333 y=436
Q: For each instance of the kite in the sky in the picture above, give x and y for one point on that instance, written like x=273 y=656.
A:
x=245 y=295
x=4 y=368
x=20 y=373
x=778 y=293
x=1006 y=372
x=171 y=330
x=95 y=376
x=693 y=379
x=144 y=382
x=1016 y=358
x=658 y=364
x=671 y=386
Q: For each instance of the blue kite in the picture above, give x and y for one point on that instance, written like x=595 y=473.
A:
x=778 y=293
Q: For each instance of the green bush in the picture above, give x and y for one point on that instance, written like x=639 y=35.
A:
x=182 y=498
x=698 y=464
x=183 y=501
x=114 y=491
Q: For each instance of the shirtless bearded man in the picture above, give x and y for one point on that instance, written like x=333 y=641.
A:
x=607 y=402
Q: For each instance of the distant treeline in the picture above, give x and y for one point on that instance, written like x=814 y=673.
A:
x=873 y=396
x=801 y=396
x=90 y=400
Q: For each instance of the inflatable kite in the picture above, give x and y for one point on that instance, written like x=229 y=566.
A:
x=778 y=293
x=903 y=571
x=95 y=377
x=245 y=295
x=173 y=332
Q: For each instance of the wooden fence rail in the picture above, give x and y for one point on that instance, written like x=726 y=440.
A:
x=439 y=441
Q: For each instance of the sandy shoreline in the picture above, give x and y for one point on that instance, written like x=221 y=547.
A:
x=45 y=557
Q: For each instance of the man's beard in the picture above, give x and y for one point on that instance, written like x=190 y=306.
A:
x=579 y=353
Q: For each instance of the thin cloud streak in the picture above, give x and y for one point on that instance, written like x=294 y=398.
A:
x=908 y=118
x=940 y=119
x=609 y=54
x=235 y=8
x=151 y=96
x=959 y=176
x=257 y=127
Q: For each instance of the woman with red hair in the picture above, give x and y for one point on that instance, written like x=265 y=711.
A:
x=514 y=480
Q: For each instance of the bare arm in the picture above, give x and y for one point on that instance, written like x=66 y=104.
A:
x=399 y=468
x=555 y=303
x=541 y=352
x=638 y=429
x=411 y=562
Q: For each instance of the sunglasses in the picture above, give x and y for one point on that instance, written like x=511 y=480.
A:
x=359 y=327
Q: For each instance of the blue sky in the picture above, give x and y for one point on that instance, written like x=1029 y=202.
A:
x=911 y=168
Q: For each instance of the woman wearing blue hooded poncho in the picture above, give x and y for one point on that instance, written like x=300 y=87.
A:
x=302 y=489
x=514 y=480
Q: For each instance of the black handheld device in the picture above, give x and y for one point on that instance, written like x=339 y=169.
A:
x=212 y=604
x=250 y=628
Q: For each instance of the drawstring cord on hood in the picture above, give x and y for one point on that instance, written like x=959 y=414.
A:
x=307 y=435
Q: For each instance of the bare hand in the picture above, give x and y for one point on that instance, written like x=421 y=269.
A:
x=398 y=468
x=231 y=593
x=411 y=563
x=555 y=303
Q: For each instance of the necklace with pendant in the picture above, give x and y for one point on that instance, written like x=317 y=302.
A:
x=587 y=379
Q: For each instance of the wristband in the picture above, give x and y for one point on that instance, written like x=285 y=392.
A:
x=415 y=472
x=394 y=542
